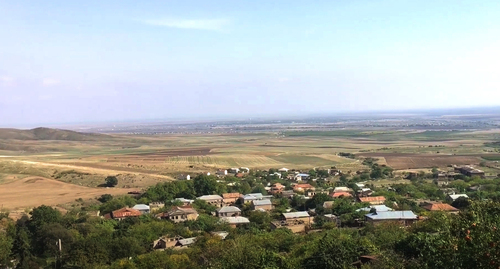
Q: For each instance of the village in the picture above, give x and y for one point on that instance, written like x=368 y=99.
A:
x=314 y=200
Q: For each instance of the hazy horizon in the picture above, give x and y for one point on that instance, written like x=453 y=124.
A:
x=80 y=62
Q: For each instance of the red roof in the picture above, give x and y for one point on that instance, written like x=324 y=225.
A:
x=231 y=195
x=338 y=194
x=440 y=207
x=125 y=213
x=372 y=199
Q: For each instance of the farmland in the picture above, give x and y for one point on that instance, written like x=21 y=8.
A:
x=142 y=160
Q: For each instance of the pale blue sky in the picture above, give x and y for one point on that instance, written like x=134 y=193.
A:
x=90 y=61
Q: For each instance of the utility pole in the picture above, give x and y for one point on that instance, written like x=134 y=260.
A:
x=58 y=257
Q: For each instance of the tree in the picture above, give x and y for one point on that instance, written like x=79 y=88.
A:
x=111 y=181
x=5 y=249
x=105 y=198
x=205 y=185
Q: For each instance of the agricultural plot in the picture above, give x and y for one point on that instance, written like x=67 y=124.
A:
x=400 y=161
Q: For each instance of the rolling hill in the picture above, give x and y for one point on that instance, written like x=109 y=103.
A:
x=50 y=134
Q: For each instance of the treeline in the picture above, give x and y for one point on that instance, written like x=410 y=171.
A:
x=467 y=240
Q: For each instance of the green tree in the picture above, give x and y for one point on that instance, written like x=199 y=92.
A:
x=6 y=244
x=105 y=198
x=205 y=185
x=111 y=181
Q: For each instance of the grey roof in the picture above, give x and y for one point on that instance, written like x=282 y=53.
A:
x=303 y=175
x=262 y=202
x=379 y=208
x=228 y=209
x=294 y=215
x=255 y=194
x=187 y=241
x=392 y=215
x=331 y=216
x=210 y=197
x=235 y=220
x=222 y=234
x=141 y=207
x=183 y=200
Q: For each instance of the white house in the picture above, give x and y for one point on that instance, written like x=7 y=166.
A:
x=283 y=170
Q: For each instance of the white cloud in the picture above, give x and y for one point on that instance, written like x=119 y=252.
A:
x=50 y=82
x=213 y=24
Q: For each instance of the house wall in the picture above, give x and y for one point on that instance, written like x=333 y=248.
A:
x=217 y=203
x=400 y=222
x=265 y=207
x=305 y=219
x=230 y=201
x=182 y=218
x=228 y=214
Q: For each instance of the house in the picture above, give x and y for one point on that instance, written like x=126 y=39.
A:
x=239 y=175
x=144 y=209
x=235 y=221
x=297 y=222
x=183 y=243
x=276 y=174
x=452 y=198
x=123 y=213
x=360 y=185
x=375 y=200
x=245 y=169
x=340 y=194
x=184 y=177
x=364 y=260
x=283 y=170
x=328 y=204
x=165 y=242
x=221 y=172
x=440 y=207
x=378 y=208
x=300 y=215
x=254 y=196
x=215 y=200
x=155 y=206
x=364 y=192
x=262 y=205
x=233 y=170
x=179 y=214
x=221 y=234
x=469 y=171
x=296 y=226
x=230 y=198
x=404 y=218
x=301 y=177
x=276 y=188
x=287 y=194
x=228 y=211
x=183 y=201
x=302 y=187
x=333 y=218
x=342 y=189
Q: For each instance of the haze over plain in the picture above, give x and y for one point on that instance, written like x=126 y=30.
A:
x=91 y=61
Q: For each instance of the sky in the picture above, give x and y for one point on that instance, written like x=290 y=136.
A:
x=103 y=61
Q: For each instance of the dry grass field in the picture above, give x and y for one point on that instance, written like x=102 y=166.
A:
x=33 y=191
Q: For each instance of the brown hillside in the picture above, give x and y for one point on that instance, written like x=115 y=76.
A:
x=50 y=134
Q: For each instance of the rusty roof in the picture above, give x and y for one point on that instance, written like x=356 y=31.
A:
x=125 y=212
